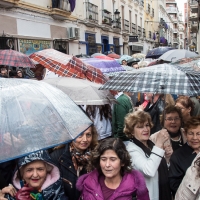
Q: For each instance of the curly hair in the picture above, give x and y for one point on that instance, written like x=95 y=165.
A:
x=134 y=118
x=118 y=147
x=193 y=122
x=168 y=110
x=186 y=102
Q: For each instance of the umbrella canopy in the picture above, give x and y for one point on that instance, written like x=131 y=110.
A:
x=164 y=79
x=82 y=56
x=67 y=65
x=124 y=57
x=106 y=66
x=114 y=55
x=157 y=52
x=132 y=60
x=192 y=62
x=82 y=92
x=15 y=59
x=34 y=116
x=97 y=54
x=139 y=55
x=177 y=54
x=104 y=57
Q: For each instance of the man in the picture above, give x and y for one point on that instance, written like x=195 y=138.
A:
x=124 y=62
x=4 y=72
x=120 y=110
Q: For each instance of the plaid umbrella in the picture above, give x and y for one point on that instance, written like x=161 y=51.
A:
x=67 y=65
x=165 y=79
x=15 y=59
x=157 y=52
x=187 y=61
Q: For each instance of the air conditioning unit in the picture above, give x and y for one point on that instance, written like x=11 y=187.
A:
x=74 y=33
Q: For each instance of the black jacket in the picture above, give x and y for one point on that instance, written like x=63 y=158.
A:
x=180 y=160
x=155 y=111
x=55 y=190
x=63 y=159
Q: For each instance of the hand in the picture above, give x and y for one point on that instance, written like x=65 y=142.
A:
x=24 y=193
x=2 y=196
x=141 y=107
x=9 y=190
x=168 y=152
x=162 y=137
x=18 y=141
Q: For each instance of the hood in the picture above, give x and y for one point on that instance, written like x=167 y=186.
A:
x=42 y=155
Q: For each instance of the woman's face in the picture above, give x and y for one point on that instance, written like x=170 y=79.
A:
x=172 y=122
x=84 y=140
x=141 y=131
x=185 y=111
x=35 y=174
x=193 y=138
x=110 y=164
x=19 y=73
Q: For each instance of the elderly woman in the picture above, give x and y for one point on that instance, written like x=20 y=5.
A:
x=38 y=178
x=113 y=177
x=72 y=160
x=171 y=119
x=147 y=157
x=186 y=105
x=182 y=158
x=190 y=185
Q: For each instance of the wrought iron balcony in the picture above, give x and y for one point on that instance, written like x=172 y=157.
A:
x=139 y=31
x=152 y=13
x=117 y=25
x=175 y=30
x=193 y=17
x=106 y=17
x=91 y=12
x=150 y=35
x=175 y=40
x=143 y=32
x=171 y=10
x=194 y=27
x=141 y=4
x=148 y=8
x=194 y=6
x=125 y=25
x=136 y=2
x=134 y=28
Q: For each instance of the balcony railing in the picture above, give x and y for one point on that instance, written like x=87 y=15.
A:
x=174 y=19
x=107 y=17
x=175 y=40
x=117 y=24
x=134 y=28
x=141 y=3
x=136 y=2
x=126 y=25
x=61 y=5
x=171 y=10
x=143 y=32
x=139 y=31
x=91 y=12
x=150 y=36
x=148 y=8
x=175 y=30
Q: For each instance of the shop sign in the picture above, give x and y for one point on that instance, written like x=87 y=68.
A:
x=133 y=38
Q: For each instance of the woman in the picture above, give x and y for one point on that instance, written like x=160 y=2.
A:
x=171 y=119
x=113 y=177
x=182 y=158
x=72 y=160
x=187 y=107
x=40 y=177
x=190 y=185
x=147 y=157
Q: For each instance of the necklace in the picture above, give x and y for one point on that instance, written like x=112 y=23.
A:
x=176 y=140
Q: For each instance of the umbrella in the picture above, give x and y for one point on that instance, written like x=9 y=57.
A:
x=97 y=54
x=139 y=55
x=108 y=52
x=67 y=65
x=177 y=54
x=104 y=57
x=35 y=116
x=114 y=55
x=82 y=92
x=82 y=56
x=188 y=61
x=124 y=57
x=157 y=52
x=164 y=79
x=132 y=60
x=15 y=59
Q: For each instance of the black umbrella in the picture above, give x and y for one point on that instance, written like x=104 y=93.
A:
x=157 y=52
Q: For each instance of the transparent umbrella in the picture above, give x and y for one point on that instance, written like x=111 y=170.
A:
x=34 y=116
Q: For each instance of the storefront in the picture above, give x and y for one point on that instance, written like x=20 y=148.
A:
x=91 y=46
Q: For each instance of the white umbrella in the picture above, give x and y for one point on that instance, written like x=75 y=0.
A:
x=82 y=92
x=177 y=54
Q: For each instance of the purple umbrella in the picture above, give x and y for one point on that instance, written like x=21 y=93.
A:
x=72 y=4
x=105 y=66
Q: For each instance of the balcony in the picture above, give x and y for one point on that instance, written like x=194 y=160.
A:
x=148 y=8
x=194 y=6
x=136 y=2
x=125 y=27
x=175 y=19
x=134 y=29
x=141 y=4
x=9 y=3
x=194 y=27
x=91 y=15
x=171 y=10
x=139 y=31
x=175 y=40
x=152 y=13
x=181 y=29
x=106 y=20
x=144 y=33
x=150 y=35
x=61 y=10
x=193 y=17
x=117 y=25
x=175 y=30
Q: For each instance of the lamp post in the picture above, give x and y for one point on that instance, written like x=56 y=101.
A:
x=158 y=36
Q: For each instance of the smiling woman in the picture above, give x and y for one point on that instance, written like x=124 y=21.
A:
x=113 y=177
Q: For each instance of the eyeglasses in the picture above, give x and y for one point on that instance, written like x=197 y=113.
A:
x=172 y=119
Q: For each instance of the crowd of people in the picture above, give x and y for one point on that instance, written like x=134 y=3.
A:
x=145 y=151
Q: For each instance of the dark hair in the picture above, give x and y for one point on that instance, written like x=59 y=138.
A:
x=118 y=147
x=186 y=102
x=193 y=122
x=170 y=109
x=134 y=118
x=123 y=60
x=104 y=111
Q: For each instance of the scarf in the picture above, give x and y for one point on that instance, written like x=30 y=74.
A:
x=164 y=190
x=36 y=195
x=78 y=158
x=173 y=135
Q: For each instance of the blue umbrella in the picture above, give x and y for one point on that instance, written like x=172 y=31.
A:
x=157 y=52
x=124 y=57
x=36 y=116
